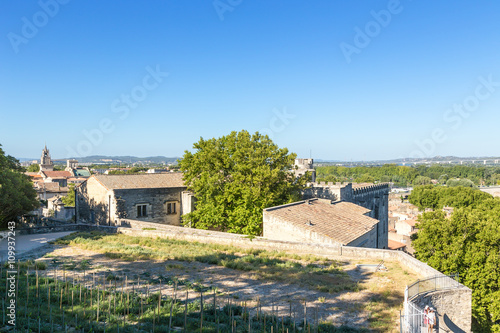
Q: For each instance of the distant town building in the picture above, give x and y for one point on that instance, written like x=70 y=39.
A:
x=303 y=165
x=45 y=161
x=157 y=170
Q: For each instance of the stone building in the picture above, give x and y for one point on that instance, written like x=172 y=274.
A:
x=45 y=161
x=374 y=197
x=303 y=165
x=160 y=198
x=338 y=223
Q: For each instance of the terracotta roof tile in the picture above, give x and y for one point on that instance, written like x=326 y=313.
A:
x=160 y=180
x=57 y=174
x=341 y=221
x=393 y=245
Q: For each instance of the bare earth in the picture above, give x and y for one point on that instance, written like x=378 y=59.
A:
x=343 y=308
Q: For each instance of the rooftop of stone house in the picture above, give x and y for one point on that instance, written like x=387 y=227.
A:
x=57 y=174
x=341 y=221
x=409 y=222
x=51 y=187
x=394 y=245
x=141 y=181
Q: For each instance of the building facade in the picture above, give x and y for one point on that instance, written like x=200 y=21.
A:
x=374 y=197
x=159 y=198
x=337 y=223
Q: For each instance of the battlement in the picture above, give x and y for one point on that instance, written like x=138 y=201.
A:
x=369 y=188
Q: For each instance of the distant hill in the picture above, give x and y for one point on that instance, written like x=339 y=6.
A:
x=127 y=159
x=103 y=159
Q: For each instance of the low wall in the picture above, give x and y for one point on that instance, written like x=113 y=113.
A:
x=453 y=308
x=61 y=228
x=135 y=228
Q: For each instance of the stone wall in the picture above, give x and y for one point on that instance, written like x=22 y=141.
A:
x=275 y=227
x=453 y=308
x=375 y=198
x=96 y=204
x=92 y=201
x=369 y=239
x=156 y=200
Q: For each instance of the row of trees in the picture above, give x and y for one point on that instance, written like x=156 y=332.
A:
x=17 y=195
x=467 y=243
x=457 y=175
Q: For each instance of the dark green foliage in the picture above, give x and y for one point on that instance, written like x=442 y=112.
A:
x=235 y=177
x=467 y=243
x=17 y=196
x=131 y=171
x=69 y=200
x=430 y=196
x=406 y=175
x=422 y=180
x=33 y=168
x=460 y=182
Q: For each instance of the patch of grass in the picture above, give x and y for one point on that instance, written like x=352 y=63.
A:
x=308 y=270
x=387 y=298
x=174 y=266
x=148 y=228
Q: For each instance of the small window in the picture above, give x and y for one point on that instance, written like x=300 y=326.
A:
x=171 y=209
x=142 y=210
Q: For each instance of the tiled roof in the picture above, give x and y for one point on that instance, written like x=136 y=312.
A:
x=32 y=174
x=393 y=245
x=57 y=174
x=411 y=222
x=51 y=187
x=342 y=221
x=153 y=180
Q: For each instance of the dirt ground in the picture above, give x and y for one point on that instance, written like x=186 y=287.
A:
x=344 y=308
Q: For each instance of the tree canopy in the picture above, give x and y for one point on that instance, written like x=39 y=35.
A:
x=69 y=200
x=467 y=243
x=406 y=175
x=34 y=167
x=434 y=197
x=235 y=177
x=17 y=195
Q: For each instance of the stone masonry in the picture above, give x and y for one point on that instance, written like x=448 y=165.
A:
x=371 y=196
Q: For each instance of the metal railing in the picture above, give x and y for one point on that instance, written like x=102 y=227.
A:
x=412 y=320
x=437 y=282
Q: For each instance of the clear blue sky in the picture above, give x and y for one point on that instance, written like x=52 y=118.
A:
x=347 y=80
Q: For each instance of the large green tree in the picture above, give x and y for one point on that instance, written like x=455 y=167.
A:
x=17 y=195
x=235 y=177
